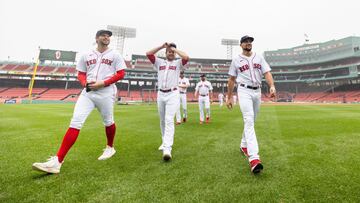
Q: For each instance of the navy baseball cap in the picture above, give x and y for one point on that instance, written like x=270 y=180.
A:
x=172 y=45
x=246 y=37
x=101 y=32
x=202 y=75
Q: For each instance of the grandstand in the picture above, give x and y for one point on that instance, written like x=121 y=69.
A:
x=319 y=72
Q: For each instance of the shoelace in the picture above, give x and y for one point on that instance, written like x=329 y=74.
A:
x=51 y=158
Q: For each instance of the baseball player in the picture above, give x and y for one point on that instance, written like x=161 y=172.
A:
x=234 y=99
x=183 y=85
x=221 y=99
x=247 y=70
x=98 y=71
x=168 y=93
x=204 y=89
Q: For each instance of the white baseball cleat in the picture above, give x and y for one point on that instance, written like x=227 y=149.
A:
x=108 y=152
x=161 y=147
x=166 y=155
x=51 y=166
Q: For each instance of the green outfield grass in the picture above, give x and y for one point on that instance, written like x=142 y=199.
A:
x=309 y=152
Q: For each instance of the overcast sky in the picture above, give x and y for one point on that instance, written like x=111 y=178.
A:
x=196 y=26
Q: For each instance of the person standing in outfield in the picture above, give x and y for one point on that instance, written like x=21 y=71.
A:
x=168 y=95
x=247 y=70
x=98 y=71
x=235 y=99
x=183 y=85
x=204 y=89
x=221 y=99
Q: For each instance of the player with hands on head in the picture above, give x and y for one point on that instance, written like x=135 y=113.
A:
x=168 y=71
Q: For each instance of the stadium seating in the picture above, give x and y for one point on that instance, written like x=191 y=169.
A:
x=208 y=68
x=193 y=67
x=21 y=68
x=20 y=92
x=61 y=70
x=2 y=89
x=128 y=64
x=223 y=68
x=45 y=69
x=71 y=70
x=143 y=65
x=58 y=94
x=8 y=67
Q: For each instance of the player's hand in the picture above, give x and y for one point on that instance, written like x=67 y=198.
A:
x=87 y=85
x=229 y=104
x=165 y=45
x=272 y=92
x=97 y=85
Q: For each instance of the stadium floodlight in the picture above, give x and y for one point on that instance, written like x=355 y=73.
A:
x=229 y=43
x=120 y=33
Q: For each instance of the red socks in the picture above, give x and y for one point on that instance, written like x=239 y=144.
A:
x=68 y=141
x=72 y=134
x=110 y=134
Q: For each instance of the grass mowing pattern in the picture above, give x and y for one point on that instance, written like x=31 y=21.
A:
x=310 y=153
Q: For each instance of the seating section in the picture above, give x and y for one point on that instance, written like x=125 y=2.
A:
x=21 y=68
x=58 y=94
x=71 y=70
x=208 y=68
x=328 y=97
x=128 y=64
x=61 y=70
x=223 y=68
x=8 y=67
x=45 y=69
x=138 y=95
x=143 y=64
x=20 y=92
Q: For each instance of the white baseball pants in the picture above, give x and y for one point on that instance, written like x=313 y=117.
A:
x=221 y=102
x=168 y=103
x=184 y=107
x=103 y=99
x=249 y=101
x=204 y=101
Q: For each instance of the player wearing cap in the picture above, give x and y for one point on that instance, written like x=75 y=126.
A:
x=204 y=90
x=98 y=71
x=183 y=85
x=247 y=70
x=168 y=95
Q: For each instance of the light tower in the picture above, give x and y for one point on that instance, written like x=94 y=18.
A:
x=119 y=33
x=229 y=43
